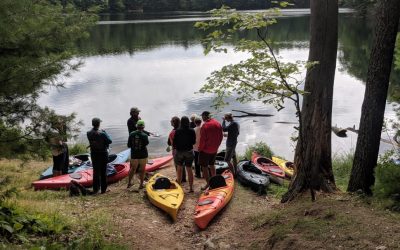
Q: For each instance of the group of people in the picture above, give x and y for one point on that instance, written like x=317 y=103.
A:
x=195 y=140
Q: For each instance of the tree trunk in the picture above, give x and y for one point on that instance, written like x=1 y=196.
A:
x=373 y=108
x=313 y=151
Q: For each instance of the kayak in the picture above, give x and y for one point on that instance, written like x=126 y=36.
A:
x=286 y=166
x=82 y=161
x=155 y=164
x=251 y=176
x=84 y=177
x=268 y=166
x=212 y=200
x=165 y=194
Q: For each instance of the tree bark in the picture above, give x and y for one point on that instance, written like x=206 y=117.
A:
x=373 y=108
x=313 y=151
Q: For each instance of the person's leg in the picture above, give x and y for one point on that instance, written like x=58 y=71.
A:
x=197 y=165
x=183 y=173
x=132 y=171
x=179 y=174
x=228 y=159
x=235 y=161
x=66 y=159
x=211 y=164
x=103 y=173
x=96 y=173
x=190 y=176
x=189 y=157
x=58 y=162
x=203 y=161
x=142 y=163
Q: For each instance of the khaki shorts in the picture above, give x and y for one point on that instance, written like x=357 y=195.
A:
x=139 y=163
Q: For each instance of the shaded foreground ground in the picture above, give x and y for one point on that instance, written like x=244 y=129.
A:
x=126 y=219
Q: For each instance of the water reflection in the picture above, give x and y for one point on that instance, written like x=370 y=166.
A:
x=159 y=67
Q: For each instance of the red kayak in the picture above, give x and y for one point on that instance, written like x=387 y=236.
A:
x=85 y=178
x=155 y=164
x=267 y=165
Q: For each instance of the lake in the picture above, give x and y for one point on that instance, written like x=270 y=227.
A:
x=156 y=62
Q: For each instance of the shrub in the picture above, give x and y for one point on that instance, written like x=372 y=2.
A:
x=387 y=176
x=261 y=148
x=78 y=148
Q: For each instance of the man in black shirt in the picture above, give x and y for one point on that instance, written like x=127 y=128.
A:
x=99 y=142
x=132 y=121
x=233 y=132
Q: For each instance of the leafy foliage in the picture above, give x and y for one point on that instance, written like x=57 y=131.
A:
x=261 y=148
x=78 y=148
x=341 y=165
x=387 y=175
x=37 y=40
x=263 y=76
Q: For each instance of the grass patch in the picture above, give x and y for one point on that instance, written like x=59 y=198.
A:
x=342 y=165
x=48 y=219
x=277 y=191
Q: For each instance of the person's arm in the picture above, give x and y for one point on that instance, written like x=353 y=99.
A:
x=107 y=137
x=147 y=132
x=193 y=137
x=174 y=141
x=146 y=140
x=224 y=127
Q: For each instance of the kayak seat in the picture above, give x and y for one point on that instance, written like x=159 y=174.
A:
x=112 y=157
x=205 y=202
x=76 y=176
x=162 y=183
x=217 y=182
x=249 y=167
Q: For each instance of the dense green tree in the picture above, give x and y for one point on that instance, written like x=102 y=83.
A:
x=36 y=43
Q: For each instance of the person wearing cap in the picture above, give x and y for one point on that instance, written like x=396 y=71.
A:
x=99 y=142
x=184 y=140
x=137 y=142
x=132 y=121
x=233 y=132
x=211 y=136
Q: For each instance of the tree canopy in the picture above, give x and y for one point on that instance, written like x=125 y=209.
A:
x=37 y=40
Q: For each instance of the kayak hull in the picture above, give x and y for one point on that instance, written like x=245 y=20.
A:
x=251 y=176
x=84 y=177
x=158 y=163
x=86 y=163
x=168 y=200
x=212 y=201
x=268 y=166
x=286 y=166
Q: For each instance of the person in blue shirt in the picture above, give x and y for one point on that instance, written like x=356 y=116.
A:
x=99 y=142
x=233 y=132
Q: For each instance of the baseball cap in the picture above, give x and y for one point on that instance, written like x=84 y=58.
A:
x=135 y=109
x=140 y=123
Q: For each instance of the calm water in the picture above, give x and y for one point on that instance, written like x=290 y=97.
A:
x=157 y=64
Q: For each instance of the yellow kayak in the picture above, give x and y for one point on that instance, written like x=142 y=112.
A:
x=165 y=194
x=285 y=165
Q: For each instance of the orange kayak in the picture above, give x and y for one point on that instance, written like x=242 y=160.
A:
x=214 y=199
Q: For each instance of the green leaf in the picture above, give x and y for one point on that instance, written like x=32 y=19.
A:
x=7 y=228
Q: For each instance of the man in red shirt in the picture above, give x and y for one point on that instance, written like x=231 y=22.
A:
x=210 y=138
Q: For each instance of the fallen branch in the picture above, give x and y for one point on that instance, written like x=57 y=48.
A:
x=249 y=114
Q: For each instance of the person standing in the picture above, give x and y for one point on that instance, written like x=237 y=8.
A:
x=175 y=123
x=192 y=121
x=184 y=140
x=131 y=123
x=233 y=132
x=137 y=142
x=210 y=139
x=59 y=148
x=197 y=167
x=99 y=142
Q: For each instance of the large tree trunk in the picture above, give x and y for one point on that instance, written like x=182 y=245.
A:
x=373 y=108
x=313 y=151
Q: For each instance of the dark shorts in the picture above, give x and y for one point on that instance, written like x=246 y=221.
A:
x=184 y=158
x=206 y=159
x=230 y=153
